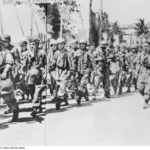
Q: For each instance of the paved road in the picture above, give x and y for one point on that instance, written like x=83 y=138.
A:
x=116 y=121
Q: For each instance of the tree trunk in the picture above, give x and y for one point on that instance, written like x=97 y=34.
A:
x=90 y=23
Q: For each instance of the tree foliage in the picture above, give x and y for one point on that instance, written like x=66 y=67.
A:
x=53 y=14
x=141 y=28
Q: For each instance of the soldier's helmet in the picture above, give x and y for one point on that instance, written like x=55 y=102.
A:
x=31 y=39
x=53 y=42
x=123 y=46
x=83 y=42
x=104 y=44
x=23 y=42
x=6 y=38
x=61 y=40
x=72 y=42
x=34 y=72
x=134 y=46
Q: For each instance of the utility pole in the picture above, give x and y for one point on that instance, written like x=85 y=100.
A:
x=61 y=21
x=31 y=30
x=1 y=17
x=101 y=13
x=90 y=23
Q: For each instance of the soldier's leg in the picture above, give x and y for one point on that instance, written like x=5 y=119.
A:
x=83 y=87
x=106 y=83
x=31 y=88
x=62 y=93
x=36 y=101
x=97 y=80
x=146 y=100
x=129 y=81
x=10 y=100
x=120 y=82
x=114 y=83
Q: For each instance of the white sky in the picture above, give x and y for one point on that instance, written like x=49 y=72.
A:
x=124 y=11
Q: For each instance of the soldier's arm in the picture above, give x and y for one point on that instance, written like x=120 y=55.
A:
x=71 y=62
x=98 y=55
x=92 y=60
x=9 y=62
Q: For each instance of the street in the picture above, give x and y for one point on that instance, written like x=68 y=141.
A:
x=117 y=121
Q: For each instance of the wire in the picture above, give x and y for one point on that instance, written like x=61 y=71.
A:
x=18 y=18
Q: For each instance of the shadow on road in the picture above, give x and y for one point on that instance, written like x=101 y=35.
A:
x=3 y=126
x=123 y=95
x=83 y=104
x=25 y=110
x=28 y=120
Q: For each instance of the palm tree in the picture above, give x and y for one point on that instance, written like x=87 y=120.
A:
x=141 y=28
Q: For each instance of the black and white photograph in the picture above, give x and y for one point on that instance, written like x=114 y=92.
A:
x=74 y=73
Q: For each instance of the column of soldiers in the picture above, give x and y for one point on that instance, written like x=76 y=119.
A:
x=31 y=69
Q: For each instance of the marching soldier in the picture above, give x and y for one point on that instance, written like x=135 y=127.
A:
x=85 y=62
x=144 y=73
x=72 y=83
x=20 y=78
x=123 y=65
x=114 y=64
x=99 y=58
x=106 y=67
x=6 y=86
x=35 y=63
x=64 y=66
x=51 y=68
x=7 y=42
x=131 y=68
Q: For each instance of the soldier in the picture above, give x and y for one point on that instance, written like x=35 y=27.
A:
x=123 y=65
x=72 y=83
x=143 y=76
x=51 y=68
x=6 y=42
x=115 y=69
x=20 y=78
x=85 y=62
x=64 y=66
x=106 y=68
x=131 y=68
x=99 y=58
x=7 y=87
x=35 y=64
x=92 y=74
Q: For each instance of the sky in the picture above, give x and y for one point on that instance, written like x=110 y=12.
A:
x=11 y=24
x=125 y=12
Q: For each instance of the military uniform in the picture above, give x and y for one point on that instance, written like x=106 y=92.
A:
x=72 y=82
x=85 y=63
x=123 y=70
x=106 y=71
x=63 y=67
x=143 y=72
x=7 y=87
x=98 y=74
x=35 y=64
x=131 y=69
x=115 y=68
x=51 y=70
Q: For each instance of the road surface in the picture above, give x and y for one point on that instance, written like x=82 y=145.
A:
x=117 y=121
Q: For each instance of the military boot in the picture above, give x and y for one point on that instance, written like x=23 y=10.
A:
x=15 y=114
x=107 y=94
x=146 y=104
x=128 y=91
x=66 y=99
x=33 y=113
x=120 y=91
